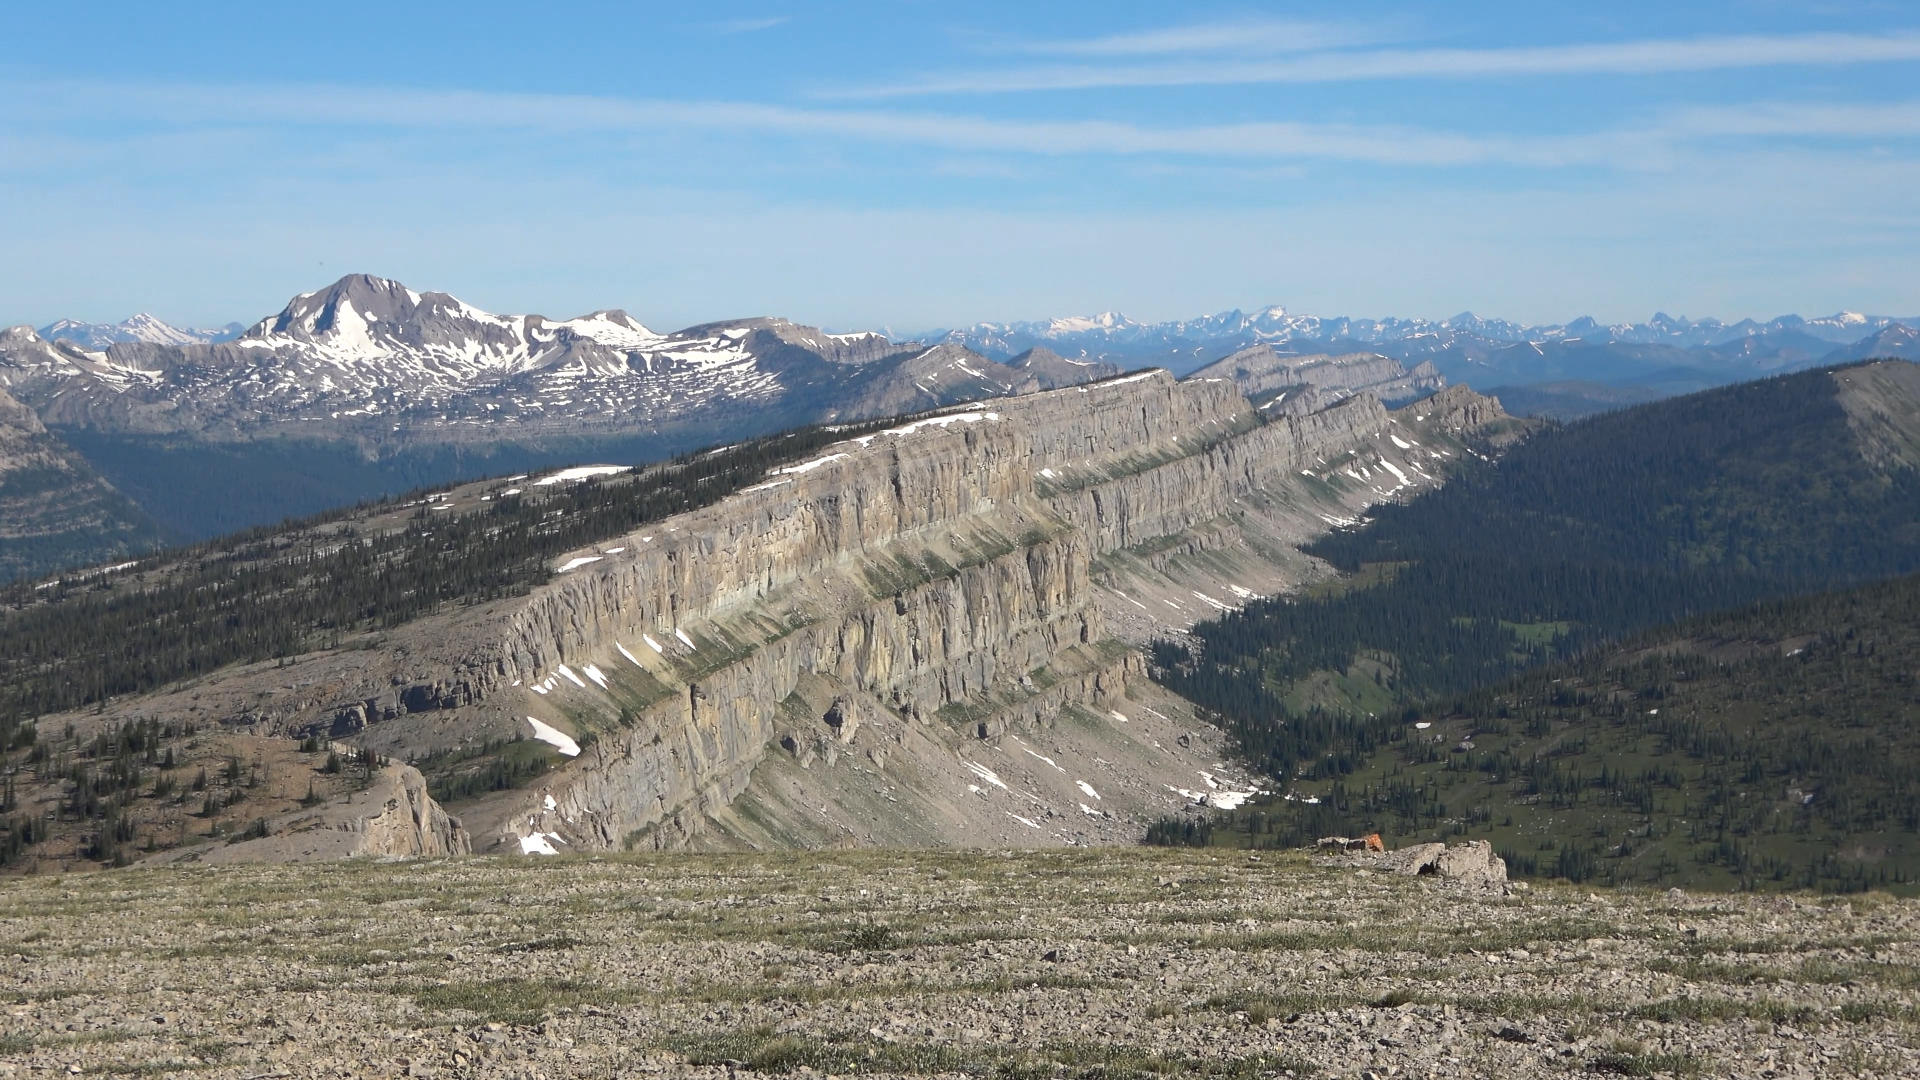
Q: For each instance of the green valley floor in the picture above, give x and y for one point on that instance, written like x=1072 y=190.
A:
x=1113 y=963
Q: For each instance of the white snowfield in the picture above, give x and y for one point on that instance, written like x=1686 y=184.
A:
x=941 y=422
x=554 y=737
x=539 y=844
x=581 y=472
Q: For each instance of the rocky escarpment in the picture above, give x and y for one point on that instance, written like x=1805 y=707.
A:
x=937 y=579
x=55 y=510
x=926 y=634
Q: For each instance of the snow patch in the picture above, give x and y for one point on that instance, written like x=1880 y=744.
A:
x=986 y=774
x=1087 y=788
x=575 y=564
x=554 y=737
x=581 y=472
x=936 y=421
x=809 y=466
x=1046 y=759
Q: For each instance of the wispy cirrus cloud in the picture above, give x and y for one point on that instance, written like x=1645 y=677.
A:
x=1320 y=65
x=364 y=110
x=1249 y=37
x=1882 y=120
x=185 y=111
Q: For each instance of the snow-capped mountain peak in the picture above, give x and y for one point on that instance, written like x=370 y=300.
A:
x=142 y=327
x=1080 y=324
x=369 y=350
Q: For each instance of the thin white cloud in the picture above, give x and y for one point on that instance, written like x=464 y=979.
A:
x=190 y=110
x=1888 y=120
x=1263 y=36
x=1620 y=58
x=369 y=109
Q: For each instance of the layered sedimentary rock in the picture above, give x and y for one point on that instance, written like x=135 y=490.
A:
x=940 y=572
x=55 y=510
x=926 y=634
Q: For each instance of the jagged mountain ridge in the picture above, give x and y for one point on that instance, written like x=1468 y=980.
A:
x=1677 y=355
x=141 y=327
x=1275 y=323
x=368 y=353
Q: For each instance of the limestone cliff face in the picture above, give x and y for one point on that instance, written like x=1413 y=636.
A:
x=939 y=571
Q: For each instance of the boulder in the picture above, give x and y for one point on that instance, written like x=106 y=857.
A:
x=1473 y=862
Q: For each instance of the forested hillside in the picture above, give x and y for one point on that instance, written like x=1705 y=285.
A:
x=316 y=583
x=1670 y=760
x=1777 y=745
x=1579 y=535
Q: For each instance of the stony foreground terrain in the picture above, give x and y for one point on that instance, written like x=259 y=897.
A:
x=1110 y=963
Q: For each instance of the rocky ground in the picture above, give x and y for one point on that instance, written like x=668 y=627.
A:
x=1120 y=962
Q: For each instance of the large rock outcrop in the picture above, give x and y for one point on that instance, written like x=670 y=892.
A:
x=392 y=817
x=1471 y=863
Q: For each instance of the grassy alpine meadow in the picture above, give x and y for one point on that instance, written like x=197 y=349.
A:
x=1116 y=963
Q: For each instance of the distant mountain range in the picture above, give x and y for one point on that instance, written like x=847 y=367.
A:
x=368 y=387
x=1662 y=356
x=367 y=347
x=142 y=327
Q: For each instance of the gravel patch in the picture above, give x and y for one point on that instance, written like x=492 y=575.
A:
x=1114 y=963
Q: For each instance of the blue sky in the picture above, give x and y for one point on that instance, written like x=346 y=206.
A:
x=911 y=164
